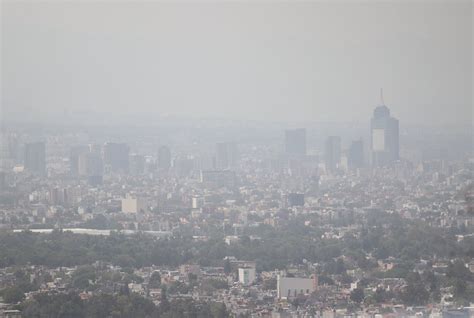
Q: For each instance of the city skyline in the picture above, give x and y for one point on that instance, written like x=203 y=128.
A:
x=235 y=159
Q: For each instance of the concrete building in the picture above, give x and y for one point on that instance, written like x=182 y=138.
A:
x=137 y=165
x=134 y=205
x=291 y=287
x=384 y=130
x=164 y=158
x=197 y=202
x=247 y=275
x=332 y=153
x=35 y=157
x=295 y=142
x=74 y=155
x=355 y=155
x=226 y=155
x=116 y=157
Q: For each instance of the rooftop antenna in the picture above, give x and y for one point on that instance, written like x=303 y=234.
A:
x=381 y=97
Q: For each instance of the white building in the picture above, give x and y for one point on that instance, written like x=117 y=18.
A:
x=291 y=287
x=134 y=205
x=197 y=202
x=247 y=275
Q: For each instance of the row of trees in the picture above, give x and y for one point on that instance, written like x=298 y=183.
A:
x=384 y=235
x=115 y=306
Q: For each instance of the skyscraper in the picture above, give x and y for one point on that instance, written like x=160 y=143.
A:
x=75 y=153
x=90 y=166
x=295 y=142
x=355 y=155
x=332 y=153
x=3 y=180
x=384 y=143
x=164 y=158
x=226 y=155
x=116 y=157
x=137 y=164
x=35 y=157
x=6 y=158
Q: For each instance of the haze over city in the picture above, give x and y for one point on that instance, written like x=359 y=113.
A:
x=262 y=60
x=236 y=159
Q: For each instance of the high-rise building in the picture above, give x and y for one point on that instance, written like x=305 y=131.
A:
x=332 y=153
x=35 y=157
x=74 y=155
x=164 y=158
x=384 y=130
x=116 y=157
x=137 y=165
x=90 y=165
x=58 y=196
x=355 y=156
x=3 y=180
x=226 y=155
x=8 y=151
x=295 y=142
x=247 y=275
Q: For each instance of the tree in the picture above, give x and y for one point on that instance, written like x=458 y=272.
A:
x=415 y=292
x=155 y=280
x=13 y=295
x=164 y=304
x=227 y=267
x=357 y=295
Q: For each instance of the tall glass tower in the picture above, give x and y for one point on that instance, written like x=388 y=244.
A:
x=384 y=145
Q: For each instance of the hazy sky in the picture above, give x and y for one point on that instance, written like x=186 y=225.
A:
x=317 y=61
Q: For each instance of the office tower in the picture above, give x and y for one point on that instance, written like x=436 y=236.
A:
x=355 y=156
x=3 y=181
x=91 y=166
x=204 y=162
x=137 y=165
x=116 y=157
x=384 y=143
x=183 y=166
x=247 y=275
x=295 y=142
x=74 y=155
x=226 y=155
x=8 y=149
x=164 y=158
x=58 y=196
x=332 y=153
x=35 y=157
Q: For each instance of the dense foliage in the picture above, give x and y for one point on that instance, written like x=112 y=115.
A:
x=383 y=235
x=115 y=306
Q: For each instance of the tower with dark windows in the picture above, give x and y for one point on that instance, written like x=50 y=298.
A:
x=384 y=133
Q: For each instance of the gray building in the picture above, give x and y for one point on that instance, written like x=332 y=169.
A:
x=116 y=157
x=332 y=153
x=226 y=155
x=384 y=145
x=35 y=157
x=355 y=155
x=295 y=142
x=164 y=158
